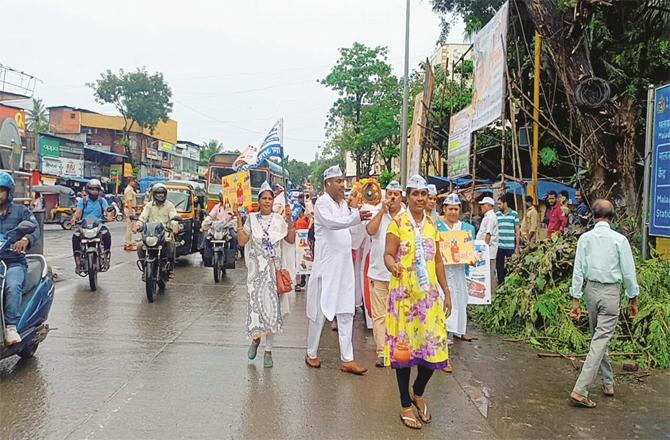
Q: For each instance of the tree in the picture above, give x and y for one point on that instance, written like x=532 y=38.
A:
x=357 y=76
x=208 y=148
x=298 y=171
x=141 y=98
x=37 y=118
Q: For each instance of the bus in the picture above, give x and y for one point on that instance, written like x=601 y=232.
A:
x=221 y=165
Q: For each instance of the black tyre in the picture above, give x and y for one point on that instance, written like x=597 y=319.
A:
x=216 y=266
x=65 y=224
x=28 y=351
x=92 y=272
x=161 y=286
x=150 y=281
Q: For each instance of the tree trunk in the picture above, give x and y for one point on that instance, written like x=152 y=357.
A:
x=603 y=149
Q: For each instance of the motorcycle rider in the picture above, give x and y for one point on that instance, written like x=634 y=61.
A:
x=14 y=257
x=219 y=213
x=92 y=205
x=159 y=210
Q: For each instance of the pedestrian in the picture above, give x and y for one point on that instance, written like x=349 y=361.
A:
x=431 y=204
x=262 y=235
x=416 y=314
x=566 y=205
x=554 y=218
x=303 y=222
x=331 y=290
x=129 y=205
x=377 y=272
x=488 y=231
x=509 y=237
x=583 y=214
x=530 y=222
x=37 y=202
x=604 y=259
x=455 y=273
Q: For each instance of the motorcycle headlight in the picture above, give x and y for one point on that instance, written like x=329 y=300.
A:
x=218 y=235
x=90 y=233
x=151 y=241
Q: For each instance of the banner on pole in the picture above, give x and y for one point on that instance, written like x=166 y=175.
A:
x=489 y=56
x=659 y=224
x=460 y=135
x=479 y=276
x=272 y=146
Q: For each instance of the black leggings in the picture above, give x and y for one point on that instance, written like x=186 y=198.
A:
x=422 y=378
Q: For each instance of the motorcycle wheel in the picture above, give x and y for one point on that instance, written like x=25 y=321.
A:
x=92 y=272
x=28 y=351
x=150 y=281
x=119 y=217
x=65 y=224
x=216 y=265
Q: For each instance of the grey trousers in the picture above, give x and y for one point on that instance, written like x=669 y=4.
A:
x=602 y=303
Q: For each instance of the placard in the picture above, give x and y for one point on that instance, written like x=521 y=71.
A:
x=457 y=247
x=478 y=276
x=237 y=189
x=303 y=253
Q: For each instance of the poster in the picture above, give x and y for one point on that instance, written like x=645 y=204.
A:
x=458 y=154
x=489 y=56
x=479 y=276
x=457 y=247
x=660 y=170
x=303 y=252
x=62 y=167
x=237 y=189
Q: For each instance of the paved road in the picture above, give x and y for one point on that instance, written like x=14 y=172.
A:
x=117 y=367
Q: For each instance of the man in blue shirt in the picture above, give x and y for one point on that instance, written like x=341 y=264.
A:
x=14 y=257
x=604 y=259
x=509 y=236
x=93 y=205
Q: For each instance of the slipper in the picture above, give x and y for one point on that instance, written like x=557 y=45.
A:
x=423 y=413
x=582 y=403
x=410 y=422
x=464 y=338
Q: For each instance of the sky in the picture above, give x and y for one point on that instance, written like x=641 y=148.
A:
x=234 y=67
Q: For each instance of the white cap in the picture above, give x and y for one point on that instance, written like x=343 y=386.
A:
x=417 y=182
x=452 y=199
x=487 y=200
x=432 y=190
x=265 y=187
x=393 y=185
x=331 y=172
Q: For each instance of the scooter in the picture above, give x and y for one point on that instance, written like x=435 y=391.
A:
x=38 y=293
x=91 y=257
x=118 y=213
x=156 y=265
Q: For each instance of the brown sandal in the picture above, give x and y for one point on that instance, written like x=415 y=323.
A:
x=409 y=420
x=421 y=408
x=582 y=403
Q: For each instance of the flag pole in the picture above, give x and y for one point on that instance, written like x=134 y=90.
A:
x=283 y=168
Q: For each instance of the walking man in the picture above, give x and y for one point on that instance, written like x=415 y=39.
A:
x=488 y=231
x=377 y=272
x=331 y=291
x=508 y=235
x=604 y=259
x=554 y=218
x=129 y=204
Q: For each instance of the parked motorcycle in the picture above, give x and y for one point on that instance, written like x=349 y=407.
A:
x=38 y=292
x=118 y=213
x=92 y=252
x=218 y=237
x=156 y=264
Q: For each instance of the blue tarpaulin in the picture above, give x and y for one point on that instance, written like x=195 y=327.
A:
x=459 y=182
x=543 y=188
x=146 y=182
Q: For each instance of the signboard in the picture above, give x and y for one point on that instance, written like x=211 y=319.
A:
x=458 y=154
x=457 y=247
x=127 y=170
x=479 y=276
x=17 y=114
x=115 y=170
x=663 y=248
x=165 y=147
x=303 y=253
x=236 y=189
x=489 y=56
x=49 y=147
x=62 y=167
x=659 y=224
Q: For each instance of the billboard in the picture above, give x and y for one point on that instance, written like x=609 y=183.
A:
x=62 y=167
x=659 y=223
x=458 y=147
x=489 y=57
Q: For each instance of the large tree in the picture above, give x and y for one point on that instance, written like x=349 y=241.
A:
x=143 y=99
x=208 y=148
x=37 y=117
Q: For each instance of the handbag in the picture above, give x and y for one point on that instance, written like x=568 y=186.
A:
x=283 y=278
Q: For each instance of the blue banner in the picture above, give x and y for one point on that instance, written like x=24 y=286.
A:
x=659 y=224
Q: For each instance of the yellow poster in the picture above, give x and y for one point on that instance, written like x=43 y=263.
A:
x=457 y=247
x=237 y=189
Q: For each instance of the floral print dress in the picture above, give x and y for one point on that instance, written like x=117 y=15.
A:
x=414 y=316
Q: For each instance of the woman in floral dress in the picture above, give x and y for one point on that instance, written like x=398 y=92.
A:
x=416 y=314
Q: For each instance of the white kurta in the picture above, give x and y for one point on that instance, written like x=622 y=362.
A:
x=332 y=278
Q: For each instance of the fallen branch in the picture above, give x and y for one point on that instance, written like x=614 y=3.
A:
x=559 y=355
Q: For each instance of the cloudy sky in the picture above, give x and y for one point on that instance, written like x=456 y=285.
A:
x=234 y=67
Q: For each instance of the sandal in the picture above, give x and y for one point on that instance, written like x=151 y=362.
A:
x=464 y=338
x=423 y=413
x=409 y=421
x=582 y=403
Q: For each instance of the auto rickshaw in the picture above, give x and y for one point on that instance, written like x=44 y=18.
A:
x=59 y=204
x=189 y=199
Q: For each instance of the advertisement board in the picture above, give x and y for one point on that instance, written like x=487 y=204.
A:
x=458 y=153
x=62 y=167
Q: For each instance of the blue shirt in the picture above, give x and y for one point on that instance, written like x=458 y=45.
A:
x=94 y=208
x=604 y=256
x=507 y=226
x=16 y=214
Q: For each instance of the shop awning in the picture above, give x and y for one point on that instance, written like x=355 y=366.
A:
x=102 y=157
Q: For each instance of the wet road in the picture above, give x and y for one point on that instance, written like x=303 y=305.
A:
x=116 y=367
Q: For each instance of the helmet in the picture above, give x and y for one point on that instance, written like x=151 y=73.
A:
x=93 y=184
x=6 y=181
x=159 y=189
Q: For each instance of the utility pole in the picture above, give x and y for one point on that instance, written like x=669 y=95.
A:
x=536 y=113
x=405 y=99
x=647 y=170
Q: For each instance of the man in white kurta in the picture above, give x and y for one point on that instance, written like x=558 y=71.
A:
x=331 y=291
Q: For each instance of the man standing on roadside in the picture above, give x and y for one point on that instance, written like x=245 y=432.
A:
x=378 y=273
x=604 y=259
x=331 y=291
x=488 y=231
x=129 y=204
x=508 y=236
x=530 y=222
x=554 y=218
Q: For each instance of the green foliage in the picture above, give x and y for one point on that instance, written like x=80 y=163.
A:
x=475 y=13
x=386 y=177
x=548 y=156
x=208 y=148
x=298 y=171
x=534 y=304
x=37 y=118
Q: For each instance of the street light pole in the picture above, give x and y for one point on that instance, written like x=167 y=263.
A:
x=647 y=170
x=405 y=99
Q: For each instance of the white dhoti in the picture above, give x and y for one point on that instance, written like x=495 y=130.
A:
x=458 y=286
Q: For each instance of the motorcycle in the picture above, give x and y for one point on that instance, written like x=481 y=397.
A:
x=117 y=212
x=156 y=265
x=218 y=237
x=38 y=293
x=90 y=259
